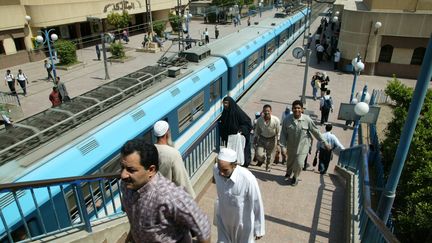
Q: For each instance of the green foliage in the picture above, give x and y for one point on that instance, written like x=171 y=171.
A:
x=159 y=27
x=174 y=21
x=66 y=51
x=252 y=7
x=120 y=21
x=117 y=50
x=211 y=17
x=413 y=203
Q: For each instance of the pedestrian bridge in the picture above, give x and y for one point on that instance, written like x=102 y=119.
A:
x=336 y=207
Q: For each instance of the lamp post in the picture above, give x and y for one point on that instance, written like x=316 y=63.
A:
x=360 y=109
x=260 y=4
x=358 y=66
x=48 y=40
x=103 y=40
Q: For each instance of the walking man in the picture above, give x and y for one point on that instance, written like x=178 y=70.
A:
x=319 y=52
x=98 y=52
x=158 y=211
x=295 y=136
x=48 y=68
x=216 y=32
x=239 y=207
x=326 y=105
x=22 y=80
x=171 y=163
x=206 y=36
x=62 y=89
x=10 y=81
x=267 y=131
x=326 y=155
x=336 y=59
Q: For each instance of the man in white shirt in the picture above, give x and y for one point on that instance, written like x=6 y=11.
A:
x=10 y=81
x=239 y=207
x=326 y=105
x=325 y=155
x=267 y=131
x=171 y=163
x=22 y=80
x=336 y=59
x=319 y=52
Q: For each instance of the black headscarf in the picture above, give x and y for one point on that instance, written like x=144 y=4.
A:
x=234 y=120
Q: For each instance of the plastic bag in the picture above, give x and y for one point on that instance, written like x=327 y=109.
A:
x=237 y=143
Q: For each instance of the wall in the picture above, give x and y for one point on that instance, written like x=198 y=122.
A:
x=405 y=5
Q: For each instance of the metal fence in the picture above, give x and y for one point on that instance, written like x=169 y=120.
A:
x=37 y=209
x=371 y=227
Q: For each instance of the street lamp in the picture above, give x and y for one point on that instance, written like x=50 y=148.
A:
x=104 y=39
x=360 y=109
x=358 y=66
x=260 y=4
x=187 y=17
x=48 y=40
x=377 y=26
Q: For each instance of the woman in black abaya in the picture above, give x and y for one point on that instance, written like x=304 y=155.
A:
x=234 y=120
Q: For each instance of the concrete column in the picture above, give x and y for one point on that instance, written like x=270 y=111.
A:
x=28 y=38
x=9 y=46
x=78 y=31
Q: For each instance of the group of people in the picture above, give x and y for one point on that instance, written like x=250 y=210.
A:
x=59 y=93
x=320 y=81
x=326 y=43
x=21 y=78
x=158 y=196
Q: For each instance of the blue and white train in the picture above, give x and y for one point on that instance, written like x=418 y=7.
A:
x=190 y=104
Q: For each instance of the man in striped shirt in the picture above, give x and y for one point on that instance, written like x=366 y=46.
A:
x=158 y=210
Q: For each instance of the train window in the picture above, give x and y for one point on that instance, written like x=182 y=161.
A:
x=215 y=90
x=271 y=47
x=253 y=61
x=240 y=71
x=283 y=36
x=112 y=166
x=190 y=111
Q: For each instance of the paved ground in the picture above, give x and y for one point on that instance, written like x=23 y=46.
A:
x=310 y=212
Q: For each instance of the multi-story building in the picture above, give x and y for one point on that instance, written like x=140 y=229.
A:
x=395 y=45
x=20 y=21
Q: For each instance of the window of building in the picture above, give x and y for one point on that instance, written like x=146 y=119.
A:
x=19 y=44
x=190 y=111
x=2 y=50
x=386 y=53
x=418 y=55
x=215 y=90
x=253 y=61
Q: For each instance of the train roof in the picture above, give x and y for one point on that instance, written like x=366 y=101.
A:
x=239 y=45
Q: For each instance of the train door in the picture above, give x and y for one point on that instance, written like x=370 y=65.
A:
x=215 y=96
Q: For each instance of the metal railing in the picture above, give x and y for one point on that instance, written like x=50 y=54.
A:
x=128 y=92
x=9 y=99
x=371 y=227
x=77 y=202
x=57 y=205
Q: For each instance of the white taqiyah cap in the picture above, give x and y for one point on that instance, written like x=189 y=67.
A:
x=227 y=155
x=160 y=128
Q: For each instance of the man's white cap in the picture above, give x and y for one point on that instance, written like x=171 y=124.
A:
x=227 y=155
x=160 y=128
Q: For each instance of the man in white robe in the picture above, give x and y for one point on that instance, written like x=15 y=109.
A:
x=239 y=209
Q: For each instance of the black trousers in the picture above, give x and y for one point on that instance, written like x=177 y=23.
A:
x=324 y=115
x=12 y=87
x=324 y=160
x=22 y=83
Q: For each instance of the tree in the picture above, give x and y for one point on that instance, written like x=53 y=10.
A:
x=119 y=21
x=66 y=50
x=174 y=21
x=412 y=212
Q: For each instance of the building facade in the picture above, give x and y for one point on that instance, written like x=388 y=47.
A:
x=395 y=45
x=68 y=18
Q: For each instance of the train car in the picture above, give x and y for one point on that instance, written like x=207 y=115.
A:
x=251 y=51
x=190 y=104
